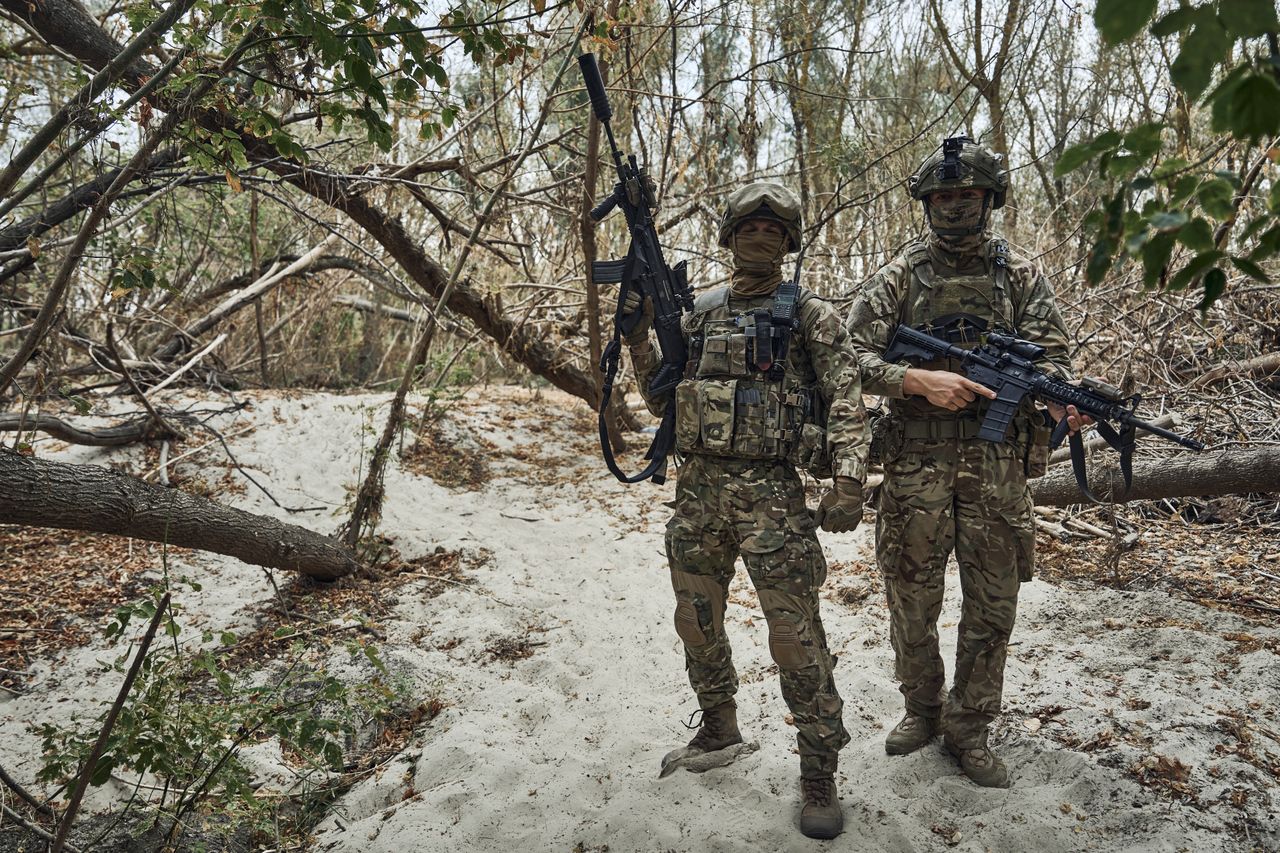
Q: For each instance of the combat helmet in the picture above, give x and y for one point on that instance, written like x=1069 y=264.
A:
x=763 y=200
x=961 y=163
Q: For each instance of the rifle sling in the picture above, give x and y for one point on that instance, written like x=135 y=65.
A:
x=1122 y=441
x=663 y=440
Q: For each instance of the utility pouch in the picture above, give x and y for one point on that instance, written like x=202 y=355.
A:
x=688 y=416
x=724 y=355
x=752 y=417
x=716 y=404
x=1035 y=459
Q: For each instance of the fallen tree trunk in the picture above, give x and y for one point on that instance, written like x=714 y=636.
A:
x=129 y=432
x=1224 y=472
x=1253 y=368
x=86 y=497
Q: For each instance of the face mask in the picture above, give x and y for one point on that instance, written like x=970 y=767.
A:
x=757 y=262
x=960 y=214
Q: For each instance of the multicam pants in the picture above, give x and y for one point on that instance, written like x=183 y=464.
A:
x=755 y=507
x=968 y=495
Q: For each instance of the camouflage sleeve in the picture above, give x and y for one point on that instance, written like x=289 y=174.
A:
x=871 y=322
x=1040 y=321
x=836 y=366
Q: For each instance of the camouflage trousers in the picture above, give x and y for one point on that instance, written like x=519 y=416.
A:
x=756 y=508
x=969 y=496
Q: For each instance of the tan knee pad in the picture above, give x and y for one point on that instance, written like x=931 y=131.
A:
x=689 y=626
x=785 y=645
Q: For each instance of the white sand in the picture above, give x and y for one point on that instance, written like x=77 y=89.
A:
x=560 y=751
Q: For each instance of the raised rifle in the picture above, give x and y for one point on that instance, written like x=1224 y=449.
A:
x=1007 y=365
x=644 y=271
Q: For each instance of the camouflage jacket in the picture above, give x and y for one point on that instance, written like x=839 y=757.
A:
x=821 y=351
x=881 y=304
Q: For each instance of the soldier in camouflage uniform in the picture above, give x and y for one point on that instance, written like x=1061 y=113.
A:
x=752 y=408
x=944 y=488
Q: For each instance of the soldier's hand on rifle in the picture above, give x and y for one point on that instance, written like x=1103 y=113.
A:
x=840 y=509
x=637 y=319
x=1075 y=420
x=944 y=388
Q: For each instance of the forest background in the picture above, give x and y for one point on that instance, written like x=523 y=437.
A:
x=389 y=194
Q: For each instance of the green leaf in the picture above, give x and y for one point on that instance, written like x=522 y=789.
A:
x=1155 y=255
x=1194 y=269
x=1168 y=168
x=1248 y=18
x=1216 y=198
x=1120 y=20
x=1077 y=155
x=1144 y=140
x=1197 y=235
x=102 y=772
x=1207 y=45
x=1099 y=262
x=1167 y=220
x=1250 y=269
x=1215 y=282
x=1253 y=108
x=1178 y=20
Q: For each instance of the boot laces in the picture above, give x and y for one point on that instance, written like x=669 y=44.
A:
x=817 y=791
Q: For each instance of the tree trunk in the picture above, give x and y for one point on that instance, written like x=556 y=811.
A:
x=1254 y=469
x=86 y=497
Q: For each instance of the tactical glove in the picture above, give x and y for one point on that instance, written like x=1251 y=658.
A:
x=840 y=509
x=637 y=319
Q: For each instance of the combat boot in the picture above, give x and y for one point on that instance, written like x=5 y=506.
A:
x=717 y=730
x=979 y=763
x=820 y=816
x=911 y=733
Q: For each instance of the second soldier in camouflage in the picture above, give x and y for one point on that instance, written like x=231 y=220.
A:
x=944 y=488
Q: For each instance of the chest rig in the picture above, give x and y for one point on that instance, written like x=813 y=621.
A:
x=749 y=387
x=957 y=308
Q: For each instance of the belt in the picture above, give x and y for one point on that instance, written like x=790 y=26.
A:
x=937 y=429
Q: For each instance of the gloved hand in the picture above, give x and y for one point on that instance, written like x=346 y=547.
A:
x=637 y=318
x=840 y=509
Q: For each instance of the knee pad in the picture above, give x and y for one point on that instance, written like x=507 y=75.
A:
x=688 y=625
x=700 y=604
x=788 y=652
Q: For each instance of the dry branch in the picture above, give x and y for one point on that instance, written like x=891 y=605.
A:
x=86 y=497
x=129 y=432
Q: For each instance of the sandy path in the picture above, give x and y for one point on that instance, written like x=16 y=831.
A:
x=559 y=750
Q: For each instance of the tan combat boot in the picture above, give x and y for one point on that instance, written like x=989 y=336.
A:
x=820 y=816
x=979 y=763
x=911 y=733
x=717 y=730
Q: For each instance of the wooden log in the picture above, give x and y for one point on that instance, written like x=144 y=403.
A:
x=1258 y=366
x=1223 y=472
x=42 y=493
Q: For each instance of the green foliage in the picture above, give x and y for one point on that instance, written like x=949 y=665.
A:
x=187 y=717
x=345 y=61
x=1159 y=203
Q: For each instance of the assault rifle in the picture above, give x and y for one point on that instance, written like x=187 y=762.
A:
x=1006 y=365
x=644 y=271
